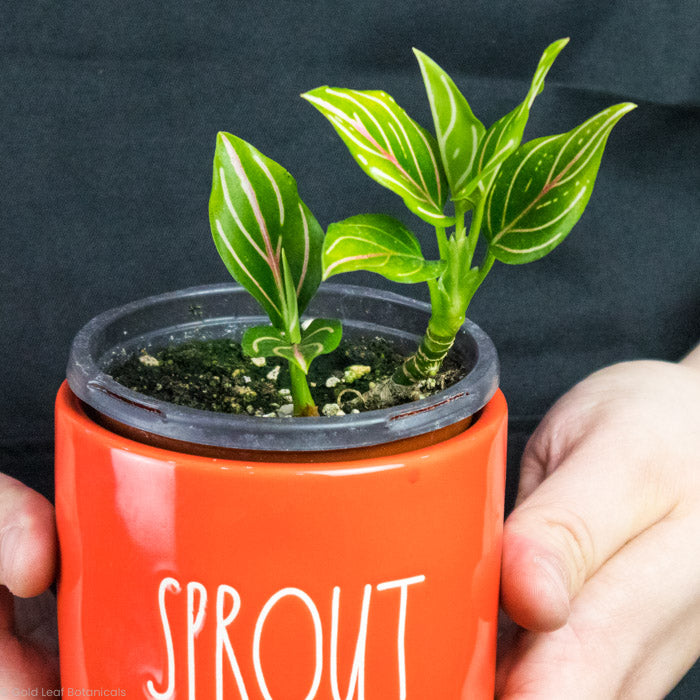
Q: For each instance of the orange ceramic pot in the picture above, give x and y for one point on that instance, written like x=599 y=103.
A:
x=282 y=574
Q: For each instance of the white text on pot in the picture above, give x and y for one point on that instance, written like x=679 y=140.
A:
x=227 y=606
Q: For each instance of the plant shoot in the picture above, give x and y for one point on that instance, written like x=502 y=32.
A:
x=271 y=244
x=524 y=199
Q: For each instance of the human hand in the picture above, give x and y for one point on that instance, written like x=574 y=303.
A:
x=600 y=556
x=28 y=649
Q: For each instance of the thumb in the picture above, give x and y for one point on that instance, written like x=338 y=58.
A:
x=595 y=496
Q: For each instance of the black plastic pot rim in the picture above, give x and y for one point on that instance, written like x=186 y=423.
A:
x=125 y=329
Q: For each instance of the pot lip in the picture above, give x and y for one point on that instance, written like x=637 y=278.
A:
x=96 y=388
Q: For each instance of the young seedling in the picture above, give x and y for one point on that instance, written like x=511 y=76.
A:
x=524 y=199
x=271 y=244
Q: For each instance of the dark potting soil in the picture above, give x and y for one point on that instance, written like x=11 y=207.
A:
x=215 y=375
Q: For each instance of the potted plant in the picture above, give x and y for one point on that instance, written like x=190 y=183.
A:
x=224 y=555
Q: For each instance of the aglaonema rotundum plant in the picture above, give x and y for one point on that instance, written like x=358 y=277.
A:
x=524 y=199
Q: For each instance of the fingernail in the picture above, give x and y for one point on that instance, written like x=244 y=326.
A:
x=9 y=548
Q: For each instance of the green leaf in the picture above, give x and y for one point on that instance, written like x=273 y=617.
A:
x=458 y=131
x=255 y=212
x=503 y=137
x=389 y=146
x=542 y=189
x=377 y=243
x=320 y=337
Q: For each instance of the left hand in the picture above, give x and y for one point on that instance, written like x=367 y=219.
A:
x=601 y=566
x=28 y=648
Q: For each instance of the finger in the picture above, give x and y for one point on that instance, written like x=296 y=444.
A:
x=35 y=620
x=7 y=611
x=596 y=500
x=27 y=539
x=692 y=359
x=24 y=665
x=542 y=454
x=633 y=631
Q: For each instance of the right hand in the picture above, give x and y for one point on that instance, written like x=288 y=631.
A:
x=600 y=566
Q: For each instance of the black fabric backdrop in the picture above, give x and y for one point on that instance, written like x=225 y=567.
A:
x=108 y=115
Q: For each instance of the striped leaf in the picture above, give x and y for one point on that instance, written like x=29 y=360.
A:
x=377 y=243
x=389 y=146
x=320 y=337
x=542 y=189
x=255 y=213
x=503 y=137
x=458 y=131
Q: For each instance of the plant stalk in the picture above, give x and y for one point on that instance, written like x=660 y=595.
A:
x=304 y=404
x=450 y=296
x=427 y=360
x=474 y=229
x=301 y=394
x=442 y=241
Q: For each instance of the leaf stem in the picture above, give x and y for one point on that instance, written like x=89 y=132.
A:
x=475 y=229
x=461 y=207
x=481 y=271
x=301 y=394
x=442 y=241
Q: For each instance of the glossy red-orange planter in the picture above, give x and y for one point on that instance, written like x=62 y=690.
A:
x=215 y=556
x=185 y=576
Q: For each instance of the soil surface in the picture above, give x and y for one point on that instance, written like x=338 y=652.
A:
x=215 y=375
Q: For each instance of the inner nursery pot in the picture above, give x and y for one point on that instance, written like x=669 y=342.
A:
x=230 y=556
